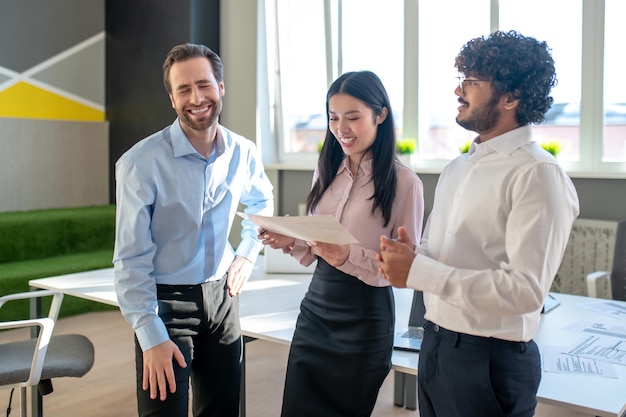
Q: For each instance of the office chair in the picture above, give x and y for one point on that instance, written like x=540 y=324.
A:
x=35 y=361
x=612 y=284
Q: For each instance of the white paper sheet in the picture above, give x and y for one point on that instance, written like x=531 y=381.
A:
x=599 y=328
x=601 y=348
x=310 y=228
x=608 y=308
x=554 y=360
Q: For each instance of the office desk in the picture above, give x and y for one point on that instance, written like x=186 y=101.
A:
x=269 y=307
x=585 y=394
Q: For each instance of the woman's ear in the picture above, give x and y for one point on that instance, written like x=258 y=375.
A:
x=382 y=116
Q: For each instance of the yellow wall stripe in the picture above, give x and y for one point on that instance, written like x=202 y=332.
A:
x=24 y=100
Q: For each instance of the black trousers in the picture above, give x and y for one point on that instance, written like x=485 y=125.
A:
x=341 y=348
x=460 y=375
x=203 y=321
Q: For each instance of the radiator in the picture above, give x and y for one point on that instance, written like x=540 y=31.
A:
x=590 y=248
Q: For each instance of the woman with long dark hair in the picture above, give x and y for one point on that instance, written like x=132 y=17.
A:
x=342 y=345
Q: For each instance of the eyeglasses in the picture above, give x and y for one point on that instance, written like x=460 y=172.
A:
x=467 y=81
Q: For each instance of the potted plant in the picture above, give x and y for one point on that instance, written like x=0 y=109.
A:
x=404 y=149
x=552 y=146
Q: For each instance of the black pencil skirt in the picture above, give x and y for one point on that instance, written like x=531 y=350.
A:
x=341 y=349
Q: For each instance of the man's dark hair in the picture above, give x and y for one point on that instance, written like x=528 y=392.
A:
x=189 y=50
x=515 y=64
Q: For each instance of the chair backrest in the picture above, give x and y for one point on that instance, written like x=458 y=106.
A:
x=618 y=272
x=35 y=359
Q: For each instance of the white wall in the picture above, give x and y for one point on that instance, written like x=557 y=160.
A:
x=238 y=40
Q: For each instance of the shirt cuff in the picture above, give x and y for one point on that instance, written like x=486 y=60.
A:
x=425 y=275
x=249 y=249
x=152 y=334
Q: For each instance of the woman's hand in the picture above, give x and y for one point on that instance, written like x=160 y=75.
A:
x=335 y=255
x=276 y=240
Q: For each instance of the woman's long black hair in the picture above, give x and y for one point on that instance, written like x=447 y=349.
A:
x=368 y=88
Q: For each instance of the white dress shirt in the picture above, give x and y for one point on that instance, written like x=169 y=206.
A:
x=494 y=241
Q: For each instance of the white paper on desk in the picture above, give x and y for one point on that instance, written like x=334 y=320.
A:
x=554 y=360
x=598 y=328
x=310 y=228
x=601 y=348
x=608 y=308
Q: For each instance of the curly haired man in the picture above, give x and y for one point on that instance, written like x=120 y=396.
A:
x=494 y=240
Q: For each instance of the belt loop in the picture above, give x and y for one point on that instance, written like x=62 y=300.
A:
x=522 y=347
x=457 y=339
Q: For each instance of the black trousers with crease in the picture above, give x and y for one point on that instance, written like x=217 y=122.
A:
x=203 y=321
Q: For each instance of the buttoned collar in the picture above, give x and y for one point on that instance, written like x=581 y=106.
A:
x=365 y=166
x=507 y=142
x=183 y=147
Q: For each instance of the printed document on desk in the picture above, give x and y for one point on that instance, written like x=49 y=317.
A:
x=601 y=347
x=310 y=228
x=554 y=360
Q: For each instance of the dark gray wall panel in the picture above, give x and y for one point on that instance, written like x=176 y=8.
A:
x=140 y=33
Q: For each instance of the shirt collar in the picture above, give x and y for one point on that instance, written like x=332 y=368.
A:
x=182 y=146
x=507 y=142
x=365 y=166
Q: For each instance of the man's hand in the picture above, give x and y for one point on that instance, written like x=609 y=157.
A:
x=238 y=273
x=403 y=237
x=396 y=257
x=158 y=369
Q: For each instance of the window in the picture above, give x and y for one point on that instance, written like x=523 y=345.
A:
x=302 y=68
x=614 y=149
x=314 y=50
x=439 y=41
x=411 y=45
x=536 y=18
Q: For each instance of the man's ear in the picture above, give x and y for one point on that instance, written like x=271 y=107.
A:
x=172 y=101
x=510 y=102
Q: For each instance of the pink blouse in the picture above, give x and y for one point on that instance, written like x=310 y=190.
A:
x=347 y=199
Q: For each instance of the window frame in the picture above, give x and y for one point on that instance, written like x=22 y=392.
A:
x=592 y=125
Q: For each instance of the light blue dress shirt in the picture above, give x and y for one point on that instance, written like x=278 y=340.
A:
x=175 y=209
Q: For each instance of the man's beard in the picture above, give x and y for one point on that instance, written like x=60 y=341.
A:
x=482 y=119
x=204 y=124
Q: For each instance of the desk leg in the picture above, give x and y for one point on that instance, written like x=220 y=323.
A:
x=405 y=390
x=398 y=388
x=36 y=401
x=410 y=390
x=242 y=392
